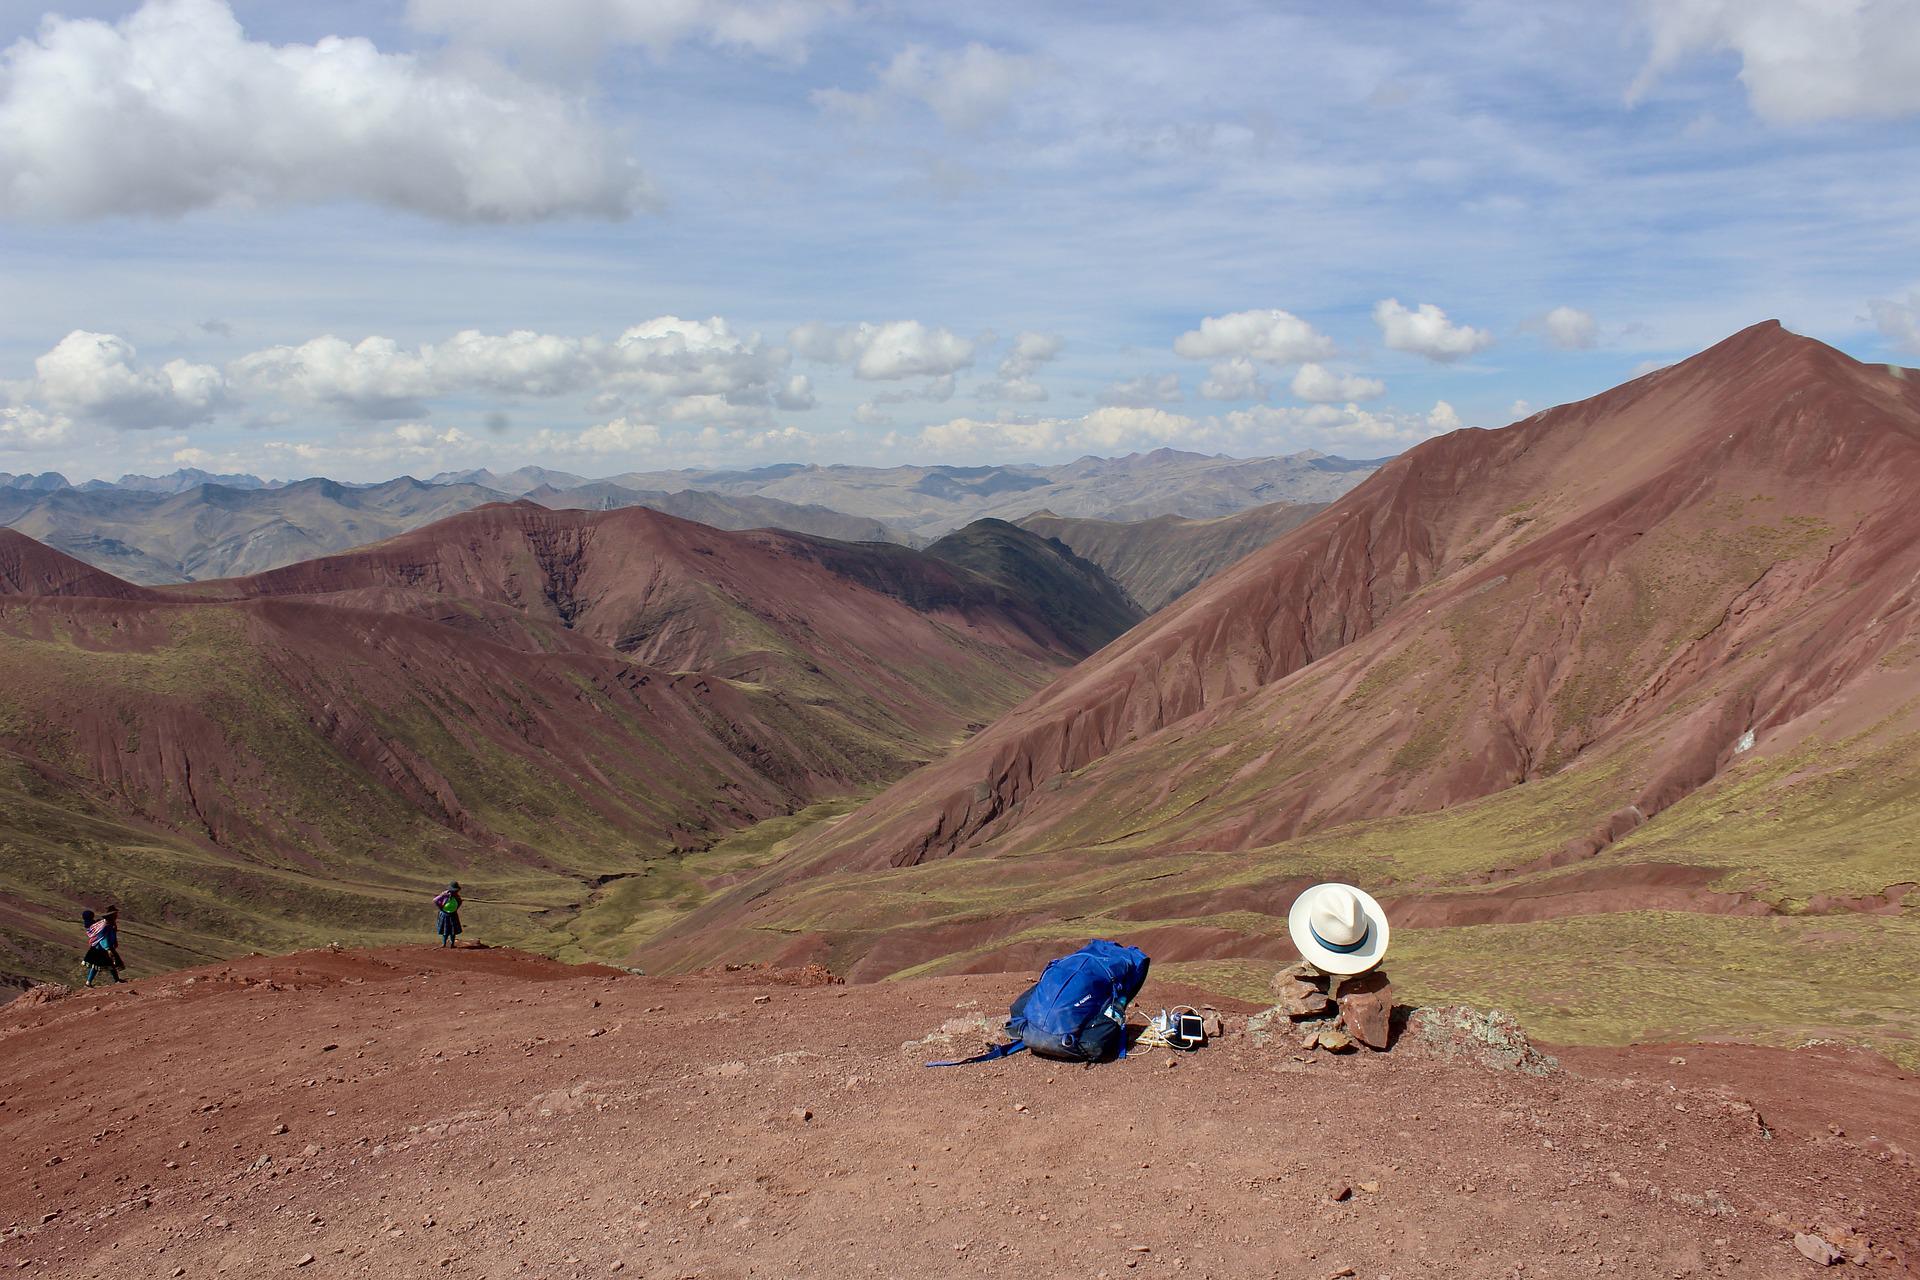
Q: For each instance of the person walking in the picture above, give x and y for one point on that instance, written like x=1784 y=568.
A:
x=447 y=904
x=102 y=939
x=111 y=940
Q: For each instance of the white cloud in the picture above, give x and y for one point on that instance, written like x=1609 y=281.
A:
x=1338 y=428
x=522 y=363
x=24 y=428
x=1029 y=351
x=884 y=352
x=674 y=357
x=796 y=395
x=662 y=359
x=409 y=444
x=1016 y=382
x=1322 y=385
x=1272 y=337
x=869 y=414
x=715 y=410
x=1109 y=429
x=373 y=378
x=574 y=31
x=967 y=88
x=622 y=435
x=1520 y=409
x=96 y=377
x=173 y=109
x=1147 y=389
x=1801 y=61
x=1427 y=332
x=1898 y=322
x=1568 y=328
x=1235 y=379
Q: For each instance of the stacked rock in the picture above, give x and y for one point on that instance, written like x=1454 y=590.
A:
x=1331 y=1012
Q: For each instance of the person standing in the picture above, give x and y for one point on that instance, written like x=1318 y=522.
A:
x=102 y=938
x=447 y=906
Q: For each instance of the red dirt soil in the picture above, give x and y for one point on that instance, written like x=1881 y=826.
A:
x=487 y=1114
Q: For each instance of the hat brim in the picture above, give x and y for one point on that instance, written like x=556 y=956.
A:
x=1324 y=958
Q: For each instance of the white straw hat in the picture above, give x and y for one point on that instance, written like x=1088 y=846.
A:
x=1338 y=928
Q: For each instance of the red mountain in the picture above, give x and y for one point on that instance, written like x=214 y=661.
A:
x=1580 y=620
x=524 y=697
x=29 y=568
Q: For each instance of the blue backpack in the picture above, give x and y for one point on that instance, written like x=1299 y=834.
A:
x=1078 y=1009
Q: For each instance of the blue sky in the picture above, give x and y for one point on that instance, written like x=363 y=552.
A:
x=371 y=238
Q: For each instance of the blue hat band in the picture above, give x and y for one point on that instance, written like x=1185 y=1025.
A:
x=1336 y=947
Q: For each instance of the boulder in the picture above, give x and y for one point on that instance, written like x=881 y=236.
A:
x=1815 y=1249
x=1301 y=990
x=1366 y=1008
x=1301 y=1000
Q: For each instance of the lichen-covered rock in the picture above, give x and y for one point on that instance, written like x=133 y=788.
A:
x=1267 y=1025
x=1486 y=1036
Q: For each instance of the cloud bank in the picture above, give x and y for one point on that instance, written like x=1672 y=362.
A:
x=173 y=109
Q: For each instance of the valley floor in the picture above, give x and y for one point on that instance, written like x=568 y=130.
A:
x=486 y=1113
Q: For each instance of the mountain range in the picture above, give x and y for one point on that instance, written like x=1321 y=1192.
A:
x=927 y=501
x=1615 y=708
x=534 y=701
x=191 y=525
x=1635 y=677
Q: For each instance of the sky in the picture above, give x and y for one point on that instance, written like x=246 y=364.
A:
x=364 y=239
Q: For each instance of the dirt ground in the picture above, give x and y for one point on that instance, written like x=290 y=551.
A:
x=488 y=1114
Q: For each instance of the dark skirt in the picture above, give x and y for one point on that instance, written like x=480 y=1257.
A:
x=449 y=924
x=99 y=957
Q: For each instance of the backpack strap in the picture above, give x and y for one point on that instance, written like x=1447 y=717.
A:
x=998 y=1051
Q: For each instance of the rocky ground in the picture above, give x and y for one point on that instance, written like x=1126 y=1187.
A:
x=484 y=1113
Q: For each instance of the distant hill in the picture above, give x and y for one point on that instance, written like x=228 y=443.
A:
x=216 y=531
x=536 y=701
x=213 y=531
x=181 y=481
x=722 y=512
x=519 y=482
x=931 y=500
x=1079 y=599
x=45 y=482
x=1161 y=559
x=189 y=525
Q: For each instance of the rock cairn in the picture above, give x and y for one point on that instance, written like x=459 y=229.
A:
x=1315 y=1010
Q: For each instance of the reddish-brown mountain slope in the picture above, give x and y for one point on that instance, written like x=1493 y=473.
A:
x=526 y=698
x=1601 y=602
x=1577 y=574
x=29 y=568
